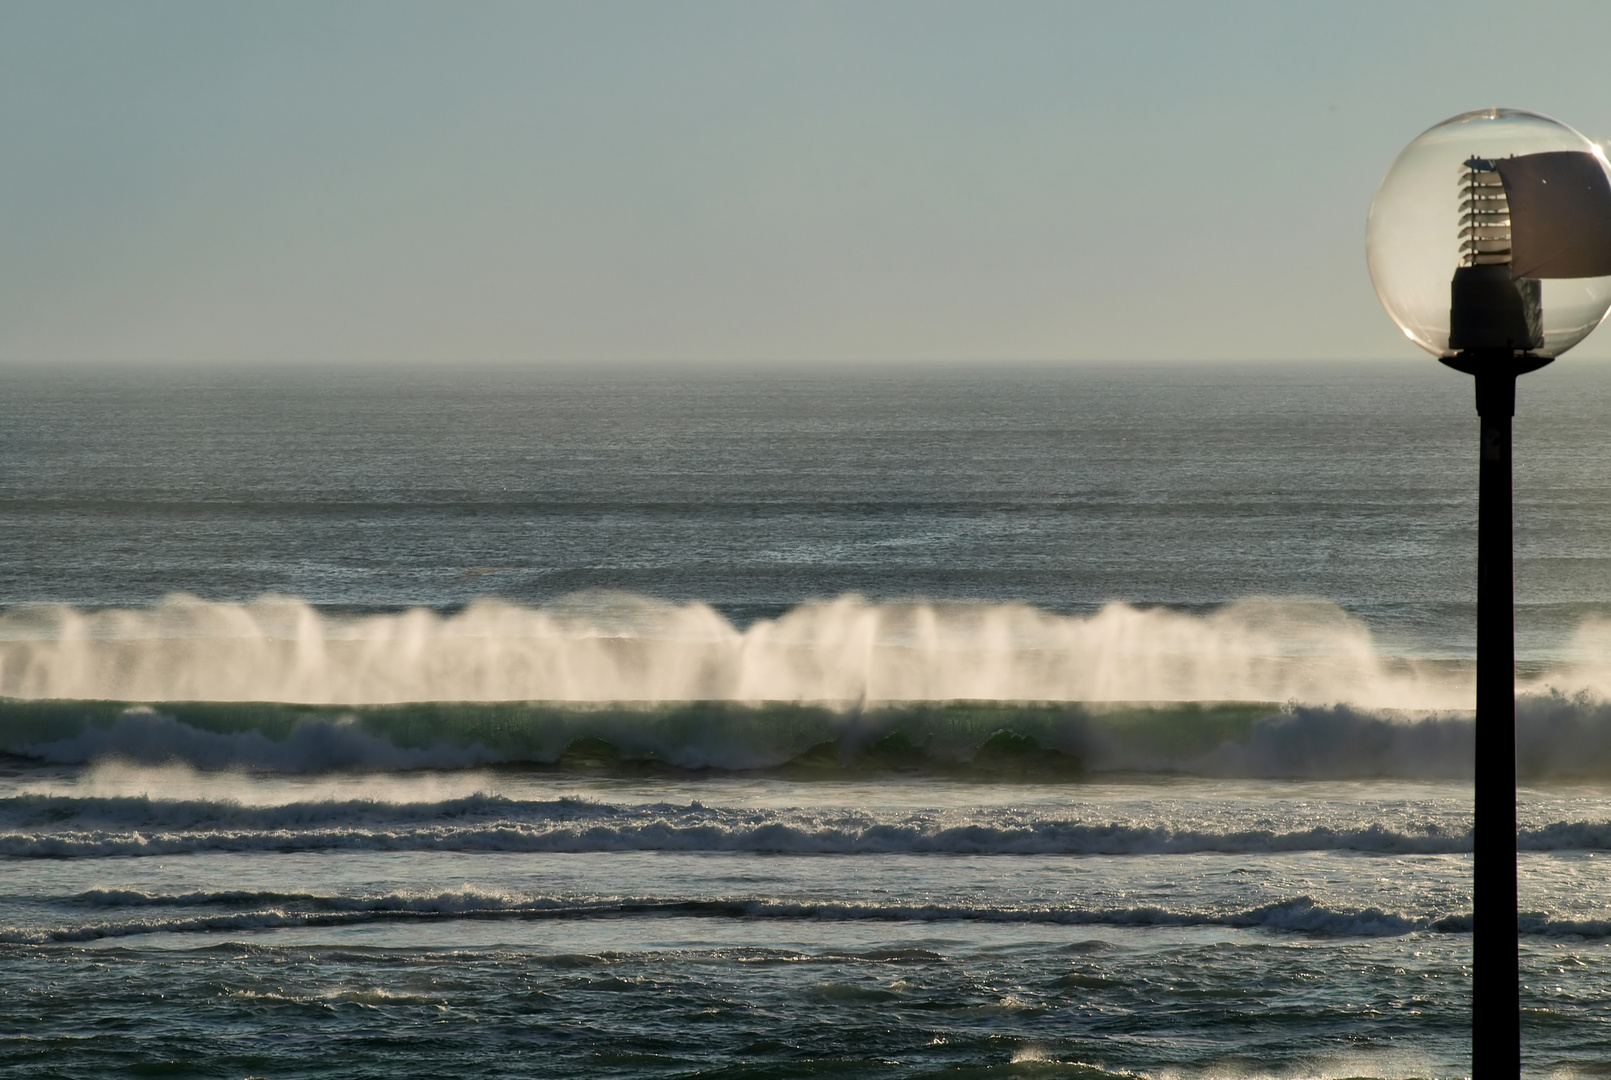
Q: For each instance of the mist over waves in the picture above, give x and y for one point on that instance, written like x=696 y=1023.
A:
x=1260 y=688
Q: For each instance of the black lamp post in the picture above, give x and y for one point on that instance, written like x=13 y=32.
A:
x=1523 y=199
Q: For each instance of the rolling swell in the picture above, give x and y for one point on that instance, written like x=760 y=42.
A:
x=771 y=838
x=1558 y=736
x=127 y=913
x=55 y=826
x=246 y=912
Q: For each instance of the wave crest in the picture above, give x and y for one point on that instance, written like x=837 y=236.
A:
x=1557 y=737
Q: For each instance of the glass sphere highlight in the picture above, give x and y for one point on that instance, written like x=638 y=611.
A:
x=1420 y=228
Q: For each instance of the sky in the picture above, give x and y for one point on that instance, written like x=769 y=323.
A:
x=403 y=182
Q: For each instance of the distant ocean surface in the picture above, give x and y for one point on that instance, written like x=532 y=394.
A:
x=1084 y=721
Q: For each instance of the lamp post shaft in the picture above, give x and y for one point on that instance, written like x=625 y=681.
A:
x=1496 y=1003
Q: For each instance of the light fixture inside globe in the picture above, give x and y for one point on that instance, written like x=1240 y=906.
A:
x=1492 y=232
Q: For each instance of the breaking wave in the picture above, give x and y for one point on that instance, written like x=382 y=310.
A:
x=1260 y=688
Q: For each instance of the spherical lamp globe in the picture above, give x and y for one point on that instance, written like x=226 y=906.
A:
x=1443 y=208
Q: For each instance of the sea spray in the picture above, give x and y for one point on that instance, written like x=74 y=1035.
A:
x=605 y=647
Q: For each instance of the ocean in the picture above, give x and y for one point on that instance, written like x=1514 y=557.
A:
x=977 y=720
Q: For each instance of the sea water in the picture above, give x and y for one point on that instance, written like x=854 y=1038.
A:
x=1085 y=721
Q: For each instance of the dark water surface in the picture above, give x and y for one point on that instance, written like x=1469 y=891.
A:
x=323 y=837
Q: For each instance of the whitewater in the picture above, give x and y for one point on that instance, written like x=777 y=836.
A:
x=1088 y=722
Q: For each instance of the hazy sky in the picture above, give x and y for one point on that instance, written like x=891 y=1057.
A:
x=732 y=181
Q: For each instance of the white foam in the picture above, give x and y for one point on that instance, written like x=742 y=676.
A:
x=113 y=778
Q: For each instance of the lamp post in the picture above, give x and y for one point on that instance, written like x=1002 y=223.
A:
x=1489 y=243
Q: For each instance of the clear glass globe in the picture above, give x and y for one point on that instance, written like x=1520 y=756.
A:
x=1413 y=236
